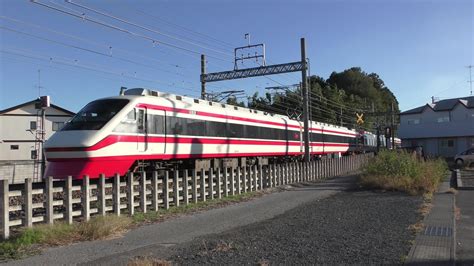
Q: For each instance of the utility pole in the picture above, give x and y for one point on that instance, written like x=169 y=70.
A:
x=203 y=81
x=340 y=116
x=470 y=77
x=393 y=127
x=304 y=80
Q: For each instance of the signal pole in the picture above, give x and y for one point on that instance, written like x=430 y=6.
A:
x=203 y=81
x=304 y=84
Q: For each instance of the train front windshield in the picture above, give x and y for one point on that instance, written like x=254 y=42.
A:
x=95 y=115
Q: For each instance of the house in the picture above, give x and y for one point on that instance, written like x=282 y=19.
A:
x=442 y=128
x=21 y=138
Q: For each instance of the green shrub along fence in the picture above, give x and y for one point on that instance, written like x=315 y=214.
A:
x=70 y=200
x=403 y=171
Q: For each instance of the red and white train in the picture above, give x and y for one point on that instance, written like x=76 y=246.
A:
x=145 y=128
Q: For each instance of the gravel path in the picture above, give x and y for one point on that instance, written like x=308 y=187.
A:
x=354 y=227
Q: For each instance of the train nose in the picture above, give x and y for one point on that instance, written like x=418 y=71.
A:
x=79 y=167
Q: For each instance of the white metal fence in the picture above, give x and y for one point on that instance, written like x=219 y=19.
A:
x=71 y=200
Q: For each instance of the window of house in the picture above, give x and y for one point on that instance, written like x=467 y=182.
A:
x=14 y=147
x=413 y=121
x=33 y=125
x=447 y=143
x=443 y=119
x=34 y=154
x=57 y=126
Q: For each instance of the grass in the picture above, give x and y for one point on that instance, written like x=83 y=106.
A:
x=401 y=171
x=29 y=241
x=148 y=261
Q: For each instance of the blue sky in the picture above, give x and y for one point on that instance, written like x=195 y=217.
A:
x=419 y=48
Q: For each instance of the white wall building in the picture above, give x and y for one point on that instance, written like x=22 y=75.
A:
x=19 y=139
x=442 y=128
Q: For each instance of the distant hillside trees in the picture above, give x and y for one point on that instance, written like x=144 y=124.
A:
x=335 y=100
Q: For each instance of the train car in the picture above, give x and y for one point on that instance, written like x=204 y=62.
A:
x=149 y=129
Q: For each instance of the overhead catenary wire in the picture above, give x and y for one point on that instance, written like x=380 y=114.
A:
x=144 y=28
x=111 y=26
x=74 y=63
x=88 y=50
x=103 y=45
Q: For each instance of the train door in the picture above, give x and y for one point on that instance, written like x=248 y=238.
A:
x=301 y=137
x=142 y=124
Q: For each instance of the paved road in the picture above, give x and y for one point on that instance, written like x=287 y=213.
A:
x=158 y=237
x=465 y=224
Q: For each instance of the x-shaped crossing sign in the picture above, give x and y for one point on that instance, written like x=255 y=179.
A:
x=360 y=118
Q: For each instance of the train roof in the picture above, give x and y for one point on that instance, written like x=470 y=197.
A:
x=134 y=92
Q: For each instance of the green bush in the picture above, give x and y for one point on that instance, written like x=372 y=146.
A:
x=402 y=171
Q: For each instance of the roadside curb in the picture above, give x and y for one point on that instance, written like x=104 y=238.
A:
x=436 y=243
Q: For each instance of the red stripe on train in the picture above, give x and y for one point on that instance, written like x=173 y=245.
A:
x=112 y=139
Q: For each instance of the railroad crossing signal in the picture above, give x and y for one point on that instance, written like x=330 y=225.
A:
x=360 y=118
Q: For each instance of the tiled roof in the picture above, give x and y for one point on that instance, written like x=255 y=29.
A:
x=33 y=101
x=443 y=105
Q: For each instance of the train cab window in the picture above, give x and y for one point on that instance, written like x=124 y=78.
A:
x=95 y=114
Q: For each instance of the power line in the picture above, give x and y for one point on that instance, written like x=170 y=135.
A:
x=106 y=46
x=223 y=43
x=144 y=28
x=88 y=50
x=77 y=65
x=111 y=26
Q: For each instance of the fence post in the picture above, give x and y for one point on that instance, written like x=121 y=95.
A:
x=260 y=176
x=154 y=191
x=5 y=208
x=219 y=187
x=68 y=199
x=249 y=179
x=325 y=168
x=86 y=200
x=282 y=174
x=232 y=181
x=131 y=204
x=116 y=194
x=238 y=180
x=255 y=180
x=28 y=200
x=143 y=192
x=352 y=163
x=211 y=183
x=203 y=185
x=195 y=188
x=176 y=188
x=49 y=200
x=101 y=194
x=185 y=188
x=226 y=180
x=270 y=175
x=293 y=172
x=244 y=179
x=166 y=190
x=275 y=175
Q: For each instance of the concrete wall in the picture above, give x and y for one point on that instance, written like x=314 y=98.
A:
x=17 y=171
